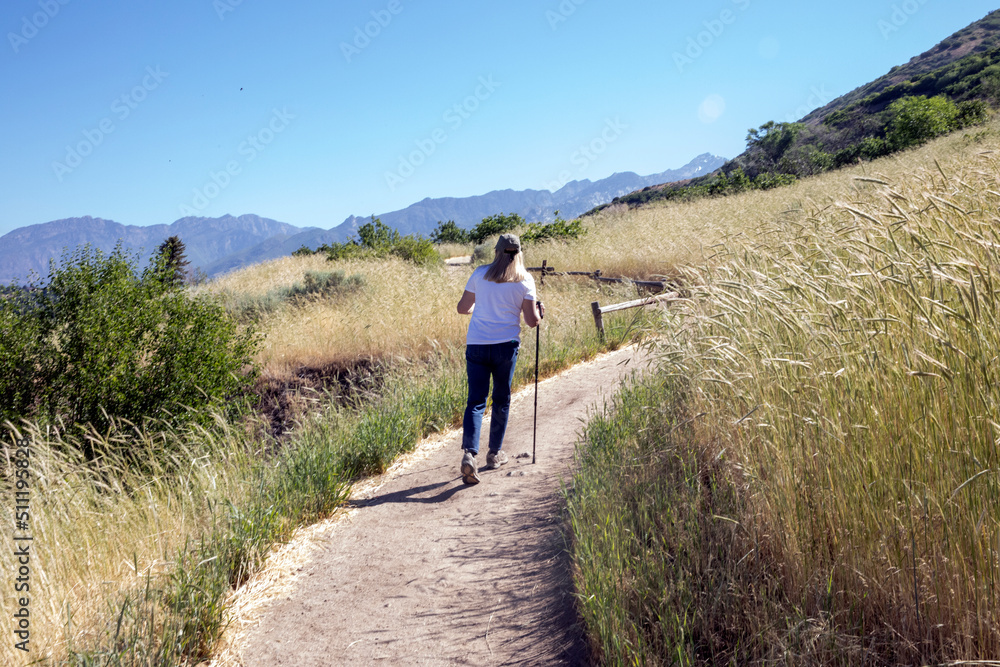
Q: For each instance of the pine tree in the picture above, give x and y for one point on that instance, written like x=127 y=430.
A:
x=171 y=253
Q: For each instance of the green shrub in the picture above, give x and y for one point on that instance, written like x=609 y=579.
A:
x=106 y=343
x=916 y=120
x=449 y=232
x=326 y=283
x=769 y=143
x=19 y=338
x=495 y=225
x=872 y=148
x=376 y=235
x=560 y=229
x=416 y=249
x=350 y=250
x=768 y=180
x=821 y=161
x=972 y=112
x=376 y=239
x=252 y=308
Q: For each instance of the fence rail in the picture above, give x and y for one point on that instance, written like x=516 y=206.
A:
x=597 y=308
x=547 y=270
x=600 y=311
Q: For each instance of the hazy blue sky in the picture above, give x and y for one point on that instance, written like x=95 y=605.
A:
x=307 y=112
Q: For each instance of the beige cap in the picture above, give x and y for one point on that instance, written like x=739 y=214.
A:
x=508 y=243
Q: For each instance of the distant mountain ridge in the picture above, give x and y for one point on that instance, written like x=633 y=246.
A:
x=571 y=200
x=218 y=245
x=28 y=249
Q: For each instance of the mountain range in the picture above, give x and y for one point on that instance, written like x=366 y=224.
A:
x=218 y=245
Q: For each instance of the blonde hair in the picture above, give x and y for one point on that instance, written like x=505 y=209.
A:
x=507 y=268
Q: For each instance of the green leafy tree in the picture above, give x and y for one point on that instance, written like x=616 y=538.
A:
x=495 y=225
x=20 y=337
x=376 y=235
x=449 y=232
x=769 y=143
x=990 y=86
x=100 y=342
x=916 y=120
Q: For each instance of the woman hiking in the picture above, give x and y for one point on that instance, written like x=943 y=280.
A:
x=497 y=295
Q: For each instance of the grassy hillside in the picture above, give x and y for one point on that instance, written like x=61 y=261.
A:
x=813 y=476
x=977 y=38
x=952 y=86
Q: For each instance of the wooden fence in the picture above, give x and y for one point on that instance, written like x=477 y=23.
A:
x=599 y=311
x=546 y=270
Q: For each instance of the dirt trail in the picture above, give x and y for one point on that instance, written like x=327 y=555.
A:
x=430 y=571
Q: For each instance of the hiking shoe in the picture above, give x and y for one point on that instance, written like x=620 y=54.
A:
x=469 y=473
x=496 y=459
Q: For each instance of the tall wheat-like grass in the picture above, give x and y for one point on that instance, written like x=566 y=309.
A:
x=449 y=250
x=841 y=344
x=99 y=529
x=401 y=311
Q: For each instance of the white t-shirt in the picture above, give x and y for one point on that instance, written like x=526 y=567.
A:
x=496 y=317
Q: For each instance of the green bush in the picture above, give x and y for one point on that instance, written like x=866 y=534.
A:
x=376 y=239
x=449 y=232
x=769 y=180
x=872 y=148
x=769 y=143
x=326 y=283
x=916 y=120
x=972 y=112
x=376 y=235
x=495 y=225
x=350 y=250
x=821 y=161
x=560 y=229
x=99 y=342
x=19 y=337
x=416 y=249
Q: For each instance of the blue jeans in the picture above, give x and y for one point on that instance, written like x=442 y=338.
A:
x=483 y=362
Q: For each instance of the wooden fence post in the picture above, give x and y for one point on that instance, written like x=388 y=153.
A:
x=545 y=263
x=598 y=319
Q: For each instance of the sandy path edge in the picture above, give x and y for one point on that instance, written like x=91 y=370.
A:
x=422 y=569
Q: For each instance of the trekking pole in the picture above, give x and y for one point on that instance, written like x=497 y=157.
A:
x=538 y=338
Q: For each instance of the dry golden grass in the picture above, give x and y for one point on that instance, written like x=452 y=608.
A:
x=840 y=346
x=448 y=250
x=402 y=311
x=98 y=533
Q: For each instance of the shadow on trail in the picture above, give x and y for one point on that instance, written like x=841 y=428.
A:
x=412 y=495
